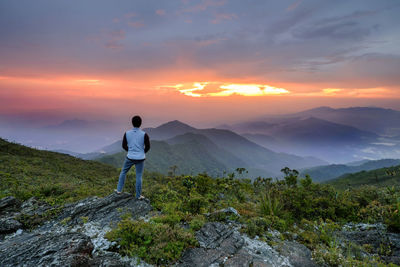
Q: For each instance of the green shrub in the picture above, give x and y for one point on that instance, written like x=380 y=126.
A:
x=196 y=204
x=155 y=243
x=270 y=205
x=257 y=226
x=261 y=225
x=203 y=183
x=314 y=233
x=51 y=190
x=197 y=222
x=393 y=220
x=170 y=219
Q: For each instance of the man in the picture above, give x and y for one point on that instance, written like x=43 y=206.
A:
x=137 y=143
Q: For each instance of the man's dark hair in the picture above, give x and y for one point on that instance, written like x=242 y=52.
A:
x=136 y=121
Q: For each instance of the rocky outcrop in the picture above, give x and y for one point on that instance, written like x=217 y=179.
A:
x=8 y=208
x=220 y=244
x=9 y=204
x=104 y=211
x=51 y=249
x=298 y=254
x=376 y=238
x=75 y=235
x=15 y=215
x=9 y=225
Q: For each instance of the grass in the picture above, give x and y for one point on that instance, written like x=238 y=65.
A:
x=52 y=177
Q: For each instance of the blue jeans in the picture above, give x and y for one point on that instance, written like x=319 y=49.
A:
x=139 y=164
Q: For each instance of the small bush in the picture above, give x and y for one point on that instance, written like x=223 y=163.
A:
x=170 y=219
x=270 y=205
x=196 y=204
x=197 y=222
x=155 y=243
x=393 y=221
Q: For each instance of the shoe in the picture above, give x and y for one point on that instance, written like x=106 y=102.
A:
x=117 y=192
x=141 y=197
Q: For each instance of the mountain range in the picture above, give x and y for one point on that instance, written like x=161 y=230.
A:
x=372 y=119
x=334 y=135
x=263 y=146
x=208 y=150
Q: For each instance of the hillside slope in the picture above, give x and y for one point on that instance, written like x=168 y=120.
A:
x=189 y=157
x=328 y=172
x=27 y=172
x=252 y=154
x=378 y=177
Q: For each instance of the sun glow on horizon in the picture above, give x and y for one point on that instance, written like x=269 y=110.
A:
x=190 y=91
x=249 y=90
x=89 y=81
x=215 y=89
x=331 y=91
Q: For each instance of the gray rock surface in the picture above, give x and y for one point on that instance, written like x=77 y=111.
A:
x=218 y=235
x=9 y=204
x=74 y=238
x=33 y=206
x=9 y=225
x=385 y=244
x=35 y=249
x=14 y=214
x=222 y=245
x=104 y=210
x=298 y=254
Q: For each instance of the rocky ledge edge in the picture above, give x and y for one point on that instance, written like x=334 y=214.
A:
x=75 y=237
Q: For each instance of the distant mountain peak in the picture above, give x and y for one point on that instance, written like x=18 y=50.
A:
x=370 y=108
x=322 y=108
x=73 y=124
x=176 y=124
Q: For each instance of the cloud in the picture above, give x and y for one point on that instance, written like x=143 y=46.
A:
x=340 y=30
x=318 y=44
x=372 y=93
x=218 y=89
x=118 y=34
x=354 y=15
x=375 y=69
x=294 y=5
x=210 y=39
x=136 y=24
x=114 y=45
x=286 y=22
x=331 y=91
x=223 y=16
x=130 y=15
x=160 y=12
x=204 y=5
x=114 y=38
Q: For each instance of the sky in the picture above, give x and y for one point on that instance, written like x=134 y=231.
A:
x=200 y=61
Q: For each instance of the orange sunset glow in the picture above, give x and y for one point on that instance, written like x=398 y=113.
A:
x=201 y=89
x=207 y=57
